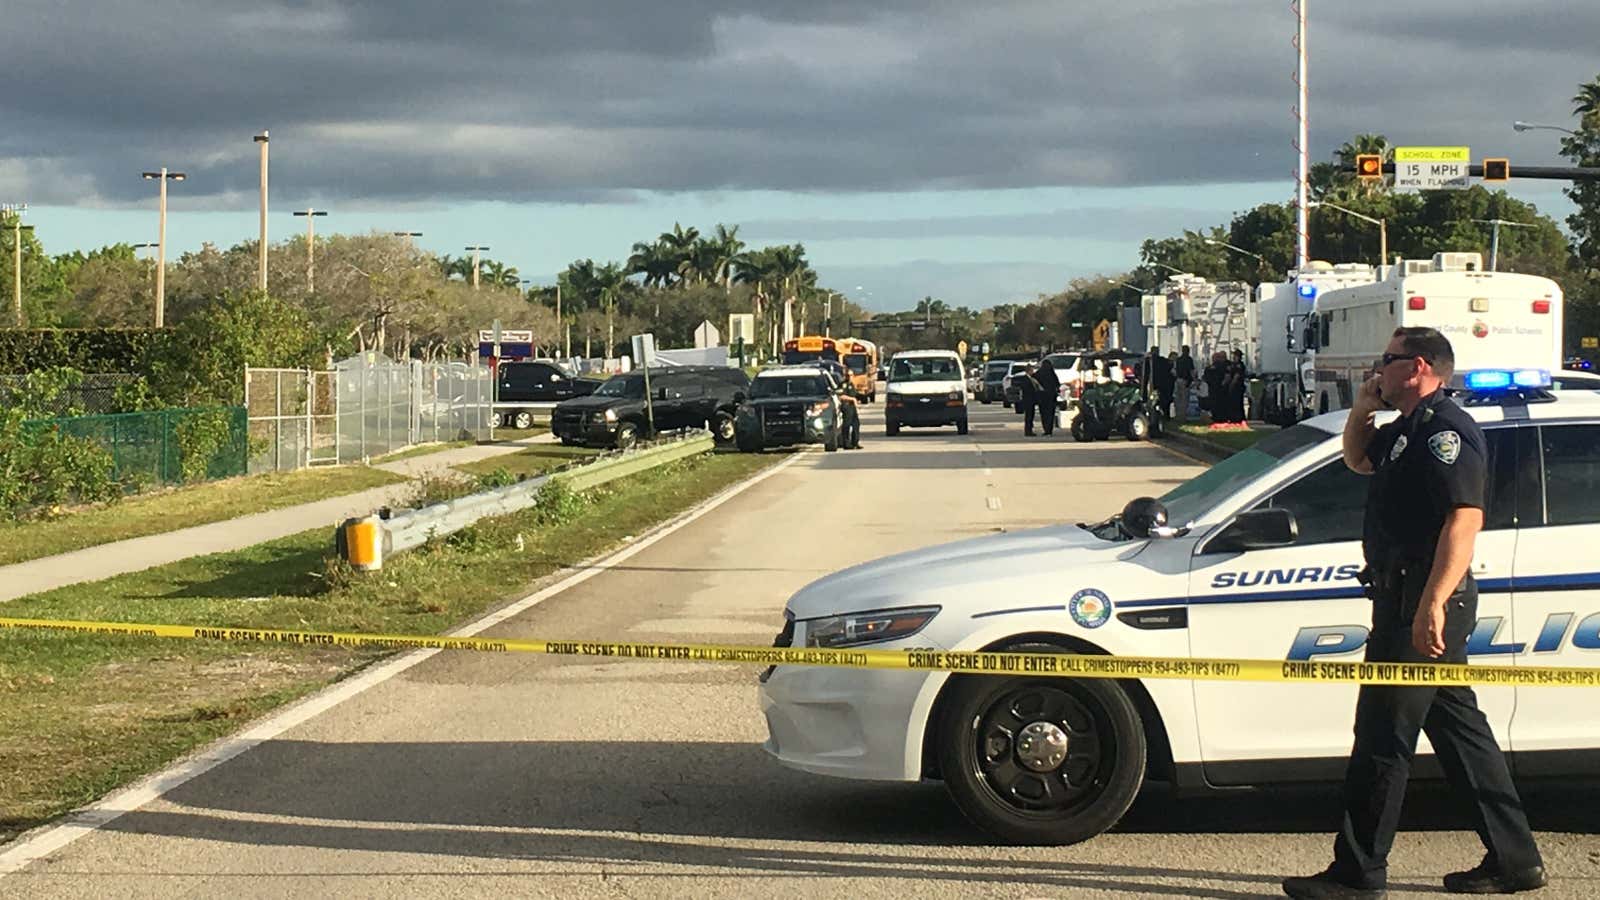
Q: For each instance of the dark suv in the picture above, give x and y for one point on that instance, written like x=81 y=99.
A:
x=797 y=405
x=518 y=384
x=683 y=397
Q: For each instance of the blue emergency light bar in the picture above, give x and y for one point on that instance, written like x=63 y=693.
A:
x=1308 y=291
x=1487 y=380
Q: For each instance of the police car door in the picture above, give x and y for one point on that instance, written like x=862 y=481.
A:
x=1556 y=594
x=1302 y=602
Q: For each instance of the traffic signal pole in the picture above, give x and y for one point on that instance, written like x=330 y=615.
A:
x=1549 y=173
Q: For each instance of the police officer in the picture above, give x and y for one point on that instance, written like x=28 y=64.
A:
x=1027 y=397
x=1424 y=510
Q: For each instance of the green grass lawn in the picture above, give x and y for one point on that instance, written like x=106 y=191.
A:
x=535 y=460
x=81 y=715
x=162 y=511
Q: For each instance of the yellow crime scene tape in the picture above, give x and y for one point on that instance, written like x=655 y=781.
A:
x=1063 y=665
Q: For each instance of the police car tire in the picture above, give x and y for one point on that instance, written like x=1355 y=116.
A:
x=568 y=441
x=961 y=427
x=1119 y=780
x=830 y=441
x=891 y=428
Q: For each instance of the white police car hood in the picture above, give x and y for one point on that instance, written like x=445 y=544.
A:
x=997 y=568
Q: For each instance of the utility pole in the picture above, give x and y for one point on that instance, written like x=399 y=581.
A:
x=568 y=345
x=162 y=176
x=17 y=228
x=475 y=251
x=1303 y=172
x=311 y=246
x=261 y=268
x=410 y=236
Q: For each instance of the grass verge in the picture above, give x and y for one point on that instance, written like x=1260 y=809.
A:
x=535 y=460
x=199 y=504
x=422 y=450
x=81 y=715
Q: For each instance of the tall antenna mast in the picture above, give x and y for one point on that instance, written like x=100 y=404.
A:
x=1302 y=174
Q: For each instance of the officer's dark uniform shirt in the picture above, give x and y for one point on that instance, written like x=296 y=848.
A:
x=1424 y=465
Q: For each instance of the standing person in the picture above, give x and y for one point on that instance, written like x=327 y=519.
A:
x=1049 y=392
x=1183 y=369
x=1424 y=512
x=1028 y=396
x=1212 y=378
x=1162 y=379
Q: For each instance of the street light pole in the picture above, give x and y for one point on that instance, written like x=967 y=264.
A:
x=1383 y=230
x=1531 y=126
x=17 y=228
x=261 y=268
x=162 y=176
x=311 y=246
x=1494 y=238
x=410 y=236
x=475 y=251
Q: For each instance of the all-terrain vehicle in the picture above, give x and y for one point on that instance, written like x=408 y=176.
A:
x=1108 y=406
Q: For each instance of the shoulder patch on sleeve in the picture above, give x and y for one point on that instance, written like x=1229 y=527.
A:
x=1446 y=445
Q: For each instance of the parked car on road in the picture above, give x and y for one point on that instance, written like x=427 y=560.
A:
x=616 y=414
x=791 y=405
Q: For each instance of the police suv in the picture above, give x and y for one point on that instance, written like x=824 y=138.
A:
x=1258 y=559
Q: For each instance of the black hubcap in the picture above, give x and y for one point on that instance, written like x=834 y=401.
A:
x=1020 y=753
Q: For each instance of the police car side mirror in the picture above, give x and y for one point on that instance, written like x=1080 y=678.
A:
x=1258 y=529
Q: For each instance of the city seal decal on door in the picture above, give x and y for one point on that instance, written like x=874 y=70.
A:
x=1446 y=445
x=1089 y=608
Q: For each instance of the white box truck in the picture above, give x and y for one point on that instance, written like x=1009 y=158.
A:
x=1494 y=320
x=1282 y=309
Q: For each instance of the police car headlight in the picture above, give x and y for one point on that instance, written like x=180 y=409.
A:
x=611 y=415
x=868 y=627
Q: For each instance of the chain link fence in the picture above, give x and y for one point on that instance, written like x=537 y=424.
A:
x=164 y=447
x=365 y=407
x=88 y=394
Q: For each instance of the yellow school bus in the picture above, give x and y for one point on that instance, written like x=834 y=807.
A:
x=809 y=348
x=860 y=358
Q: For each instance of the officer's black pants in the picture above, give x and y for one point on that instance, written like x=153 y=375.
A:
x=1029 y=408
x=1388 y=720
x=1047 y=414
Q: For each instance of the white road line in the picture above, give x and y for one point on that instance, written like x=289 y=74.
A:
x=47 y=839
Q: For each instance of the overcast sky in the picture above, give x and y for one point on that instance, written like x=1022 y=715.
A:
x=977 y=152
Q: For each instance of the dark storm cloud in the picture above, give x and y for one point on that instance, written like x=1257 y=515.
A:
x=583 y=100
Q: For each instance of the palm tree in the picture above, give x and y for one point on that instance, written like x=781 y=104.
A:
x=498 y=273
x=655 y=261
x=680 y=243
x=726 y=248
x=609 y=280
x=1587 y=100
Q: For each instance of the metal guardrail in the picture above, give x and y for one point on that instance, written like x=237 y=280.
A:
x=413 y=528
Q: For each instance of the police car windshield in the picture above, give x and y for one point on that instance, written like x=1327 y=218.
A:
x=1192 y=499
x=789 y=386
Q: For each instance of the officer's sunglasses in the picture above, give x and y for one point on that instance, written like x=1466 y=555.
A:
x=1388 y=358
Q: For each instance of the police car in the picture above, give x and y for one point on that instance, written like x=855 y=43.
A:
x=1259 y=559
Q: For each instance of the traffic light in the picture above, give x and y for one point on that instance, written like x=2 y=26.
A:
x=1369 y=166
x=1497 y=169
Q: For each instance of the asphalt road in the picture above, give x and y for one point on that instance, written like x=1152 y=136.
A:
x=476 y=775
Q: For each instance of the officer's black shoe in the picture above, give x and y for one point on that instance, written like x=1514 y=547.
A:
x=1325 y=886
x=1487 y=878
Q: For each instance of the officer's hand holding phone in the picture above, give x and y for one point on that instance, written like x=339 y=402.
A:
x=1369 y=398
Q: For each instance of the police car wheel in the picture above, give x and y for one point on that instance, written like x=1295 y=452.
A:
x=1041 y=760
x=722 y=429
x=523 y=419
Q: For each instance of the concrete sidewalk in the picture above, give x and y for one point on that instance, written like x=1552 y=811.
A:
x=136 y=554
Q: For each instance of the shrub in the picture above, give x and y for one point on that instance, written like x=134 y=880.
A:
x=41 y=468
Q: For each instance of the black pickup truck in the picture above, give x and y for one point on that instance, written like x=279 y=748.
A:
x=682 y=396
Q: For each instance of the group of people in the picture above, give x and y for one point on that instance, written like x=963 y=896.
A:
x=1172 y=377
x=1039 y=388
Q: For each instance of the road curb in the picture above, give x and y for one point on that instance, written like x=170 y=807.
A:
x=1208 y=451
